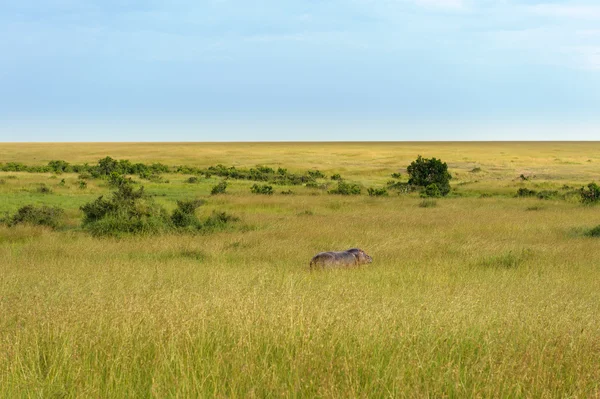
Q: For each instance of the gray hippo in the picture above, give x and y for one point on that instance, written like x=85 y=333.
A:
x=350 y=257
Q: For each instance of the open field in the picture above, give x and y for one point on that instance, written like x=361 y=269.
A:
x=491 y=296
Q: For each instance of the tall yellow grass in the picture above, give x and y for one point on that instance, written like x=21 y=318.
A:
x=476 y=297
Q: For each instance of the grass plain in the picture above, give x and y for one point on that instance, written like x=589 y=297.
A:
x=491 y=296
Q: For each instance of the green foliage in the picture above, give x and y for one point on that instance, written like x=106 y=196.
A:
x=261 y=189
x=525 y=192
x=192 y=180
x=185 y=214
x=82 y=184
x=591 y=195
x=43 y=189
x=38 y=216
x=219 y=188
x=316 y=174
x=287 y=192
x=424 y=172
x=128 y=211
x=377 y=192
x=595 y=232
x=117 y=180
x=60 y=167
x=396 y=175
x=431 y=191
x=345 y=188
x=337 y=177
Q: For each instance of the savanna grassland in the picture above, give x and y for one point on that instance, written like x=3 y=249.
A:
x=481 y=294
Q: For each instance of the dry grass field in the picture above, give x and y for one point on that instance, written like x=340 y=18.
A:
x=479 y=296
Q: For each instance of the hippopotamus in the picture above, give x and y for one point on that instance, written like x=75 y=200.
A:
x=350 y=257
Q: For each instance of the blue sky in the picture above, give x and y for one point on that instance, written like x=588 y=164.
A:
x=219 y=70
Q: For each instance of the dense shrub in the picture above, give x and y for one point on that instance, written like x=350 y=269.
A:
x=396 y=175
x=82 y=184
x=185 y=214
x=40 y=216
x=117 y=180
x=316 y=174
x=219 y=188
x=595 y=232
x=43 y=189
x=127 y=211
x=336 y=177
x=525 y=192
x=192 y=180
x=548 y=194
x=377 y=192
x=431 y=191
x=262 y=189
x=59 y=167
x=345 y=188
x=424 y=172
x=591 y=195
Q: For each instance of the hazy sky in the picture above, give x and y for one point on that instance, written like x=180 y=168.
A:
x=214 y=70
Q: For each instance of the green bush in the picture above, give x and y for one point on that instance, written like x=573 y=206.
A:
x=345 y=188
x=431 y=191
x=336 y=177
x=377 y=192
x=424 y=172
x=127 y=211
x=595 y=232
x=219 y=188
x=396 y=175
x=548 y=194
x=39 y=216
x=82 y=184
x=192 y=180
x=43 y=189
x=261 y=189
x=525 y=192
x=591 y=195
x=185 y=214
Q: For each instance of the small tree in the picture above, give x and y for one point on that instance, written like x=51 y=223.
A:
x=424 y=172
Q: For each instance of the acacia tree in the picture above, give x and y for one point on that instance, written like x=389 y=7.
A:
x=425 y=172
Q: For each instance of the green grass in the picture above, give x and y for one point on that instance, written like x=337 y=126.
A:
x=476 y=297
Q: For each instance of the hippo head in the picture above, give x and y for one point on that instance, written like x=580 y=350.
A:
x=360 y=255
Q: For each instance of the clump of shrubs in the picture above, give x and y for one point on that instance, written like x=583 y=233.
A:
x=38 y=216
x=591 y=195
x=425 y=172
x=337 y=177
x=396 y=175
x=219 y=188
x=287 y=192
x=262 y=189
x=377 y=192
x=525 y=192
x=192 y=180
x=345 y=188
x=544 y=194
x=131 y=211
